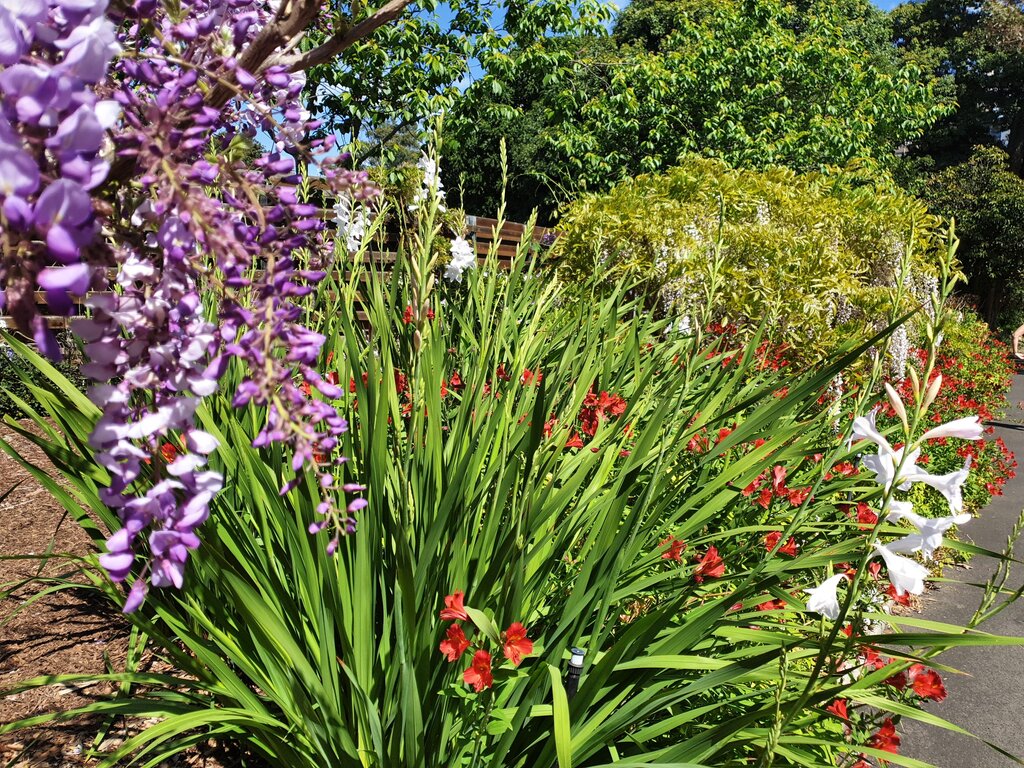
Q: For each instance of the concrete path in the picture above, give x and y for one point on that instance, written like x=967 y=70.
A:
x=988 y=701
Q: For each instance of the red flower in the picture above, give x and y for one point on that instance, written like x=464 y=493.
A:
x=453 y=608
x=772 y=539
x=528 y=376
x=401 y=382
x=897 y=681
x=710 y=566
x=614 y=404
x=764 y=498
x=479 y=673
x=838 y=708
x=407 y=315
x=798 y=496
x=927 y=683
x=675 y=550
x=903 y=599
x=455 y=381
x=169 y=452
x=444 y=388
x=430 y=314
x=305 y=389
x=779 y=480
x=845 y=468
x=886 y=739
x=574 y=441
x=501 y=373
x=454 y=643
x=872 y=658
x=866 y=518
x=516 y=644
x=723 y=433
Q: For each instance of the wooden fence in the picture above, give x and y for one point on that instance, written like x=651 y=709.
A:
x=481 y=233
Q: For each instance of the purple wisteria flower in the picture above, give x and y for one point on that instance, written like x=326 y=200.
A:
x=212 y=257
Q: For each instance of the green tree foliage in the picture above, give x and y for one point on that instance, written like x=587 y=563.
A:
x=753 y=82
x=978 y=51
x=812 y=255
x=415 y=68
x=987 y=200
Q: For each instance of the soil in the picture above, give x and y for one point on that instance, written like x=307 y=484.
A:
x=66 y=631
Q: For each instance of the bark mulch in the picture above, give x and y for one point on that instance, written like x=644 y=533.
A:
x=67 y=631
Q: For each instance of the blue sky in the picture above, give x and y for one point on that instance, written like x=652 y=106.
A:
x=886 y=5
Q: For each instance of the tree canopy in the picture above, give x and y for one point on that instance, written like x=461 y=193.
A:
x=415 y=68
x=755 y=83
x=987 y=200
x=978 y=52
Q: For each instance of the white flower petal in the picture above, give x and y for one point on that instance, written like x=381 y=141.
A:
x=930 y=530
x=824 y=598
x=202 y=442
x=864 y=429
x=967 y=428
x=949 y=485
x=904 y=574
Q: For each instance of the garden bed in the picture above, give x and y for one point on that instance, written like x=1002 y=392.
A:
x=61 y=633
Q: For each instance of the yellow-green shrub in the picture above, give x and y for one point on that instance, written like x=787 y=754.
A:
x=813 y=255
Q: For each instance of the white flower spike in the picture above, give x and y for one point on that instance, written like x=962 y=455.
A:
x=824 y=598
x=463 y=258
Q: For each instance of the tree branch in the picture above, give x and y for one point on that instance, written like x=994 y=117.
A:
x=346 y=38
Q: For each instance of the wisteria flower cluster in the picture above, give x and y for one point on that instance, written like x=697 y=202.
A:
x=53 y=142
x=131 y=167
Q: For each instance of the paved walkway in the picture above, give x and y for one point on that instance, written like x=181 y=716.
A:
x=988 y=701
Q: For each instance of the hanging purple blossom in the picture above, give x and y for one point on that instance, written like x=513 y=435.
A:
x=196 y=223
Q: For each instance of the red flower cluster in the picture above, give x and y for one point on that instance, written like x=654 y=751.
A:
x=515 y=644
x=597 y=408
x=776 y=488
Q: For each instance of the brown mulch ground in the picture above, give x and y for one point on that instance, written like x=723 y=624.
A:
x=64 y=632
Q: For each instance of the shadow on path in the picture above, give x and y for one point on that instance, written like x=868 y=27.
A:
x=988 y=700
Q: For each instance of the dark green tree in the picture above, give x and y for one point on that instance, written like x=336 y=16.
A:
x=987 y=200
x=977 y=49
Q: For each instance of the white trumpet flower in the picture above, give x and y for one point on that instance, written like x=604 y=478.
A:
x=904 y=574
x=930 y=530
x=967 y=428
x=824 y=598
